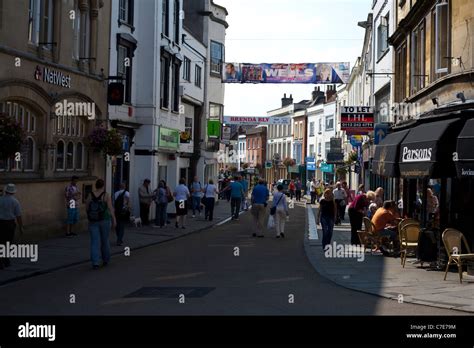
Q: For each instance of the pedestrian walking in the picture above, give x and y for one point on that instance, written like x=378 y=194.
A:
x=161 y=201
x=210 y=192
x=349 y=199
x=10 y=217
x=236 y=191
x=313 y=190
x=169 y=196
x=340 y=197
x=357 y=210
x=122 y=210
x=327 y=215
x=145 y=196
x=181 y=195
x=245 y=185
x=280 y=208
x=196 y=194
x=260 y=195
x=292 y=189
x=72 y=196
x=299 y=187
x=101 y=216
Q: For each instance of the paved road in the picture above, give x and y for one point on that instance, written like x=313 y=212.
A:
x=260 y=281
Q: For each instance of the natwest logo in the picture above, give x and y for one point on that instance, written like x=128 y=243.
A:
x=416 y=155
x=53 y=77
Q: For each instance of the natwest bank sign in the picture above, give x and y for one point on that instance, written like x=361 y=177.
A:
x=357 y=120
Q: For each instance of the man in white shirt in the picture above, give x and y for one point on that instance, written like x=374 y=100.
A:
x=340 y=196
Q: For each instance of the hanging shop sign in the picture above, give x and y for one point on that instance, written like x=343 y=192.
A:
x=53 y=77
x=268 y=165
x=357 y=120
x=213 y=129
x=226 y=133
x=256 y=120
x=335 y=158
x=326 y=168
x=168 y=138
x=318 y=73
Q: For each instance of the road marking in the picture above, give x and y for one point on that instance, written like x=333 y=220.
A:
x=312 y=227
x=180 y=276
x=230 y=218
x=231 y=245
x=127 y=301
x=281 y=280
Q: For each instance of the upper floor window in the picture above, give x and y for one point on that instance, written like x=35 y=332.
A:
x=329 y=123
x=440 y=20
x=165 y=82
x=418 y=75
x=187 y=69
x=126 y=11
x=217 y=57
x=382 y=36
x=401 y=72
x=198 y=76
x=165 y=17
x=177 y=20
x=320 y=128
x=311 y=129
x=40 y=22
x=216 y=111
x=81 y=33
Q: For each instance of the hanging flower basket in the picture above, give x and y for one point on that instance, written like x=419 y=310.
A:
x=109 y=142
x=289 y=162
x=12 y=136
x=353 y=156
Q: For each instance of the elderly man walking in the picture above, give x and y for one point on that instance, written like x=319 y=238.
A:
x=260 y=196
x=10 y=216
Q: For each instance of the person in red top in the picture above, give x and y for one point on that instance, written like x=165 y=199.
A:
x=357 y=211
x=292 y=189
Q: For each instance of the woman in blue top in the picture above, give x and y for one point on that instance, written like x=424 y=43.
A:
x=161 y=200
x=279 y=201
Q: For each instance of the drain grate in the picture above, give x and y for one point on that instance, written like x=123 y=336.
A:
x=170 y=292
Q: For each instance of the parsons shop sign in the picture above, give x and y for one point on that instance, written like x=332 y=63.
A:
x=317 y=73
x=416 y=155
x=53 y=77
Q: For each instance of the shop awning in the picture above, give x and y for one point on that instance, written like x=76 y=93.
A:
x=386 y=155
x=427 y=150
x=465 y=151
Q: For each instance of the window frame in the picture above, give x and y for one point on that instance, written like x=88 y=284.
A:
x=198 y=76
x=56 y=168
x=165 y=82
x=187 y=69
x=435 y=19
x=165 y=17
x=216 y=67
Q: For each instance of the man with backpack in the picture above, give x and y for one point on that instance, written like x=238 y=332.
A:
x=122 y=211
x=101 y=216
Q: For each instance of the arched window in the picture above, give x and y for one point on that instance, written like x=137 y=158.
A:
x=29 y=155
x=79 y=152
x=60 y=155
x=27 y=120
x=70 y=156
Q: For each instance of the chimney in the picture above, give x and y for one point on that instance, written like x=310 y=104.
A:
x=286 y=101
x=317 y=94
x=331 y=93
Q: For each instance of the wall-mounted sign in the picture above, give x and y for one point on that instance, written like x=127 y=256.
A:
x=286 y=73
x=226 y=132
x=335 y=158
x=168 y=138
x=53 y=77
x=335 y=145
x=310 y=163
x=380 y=133
x=326 y=168
x=115 y=93
x=356 y=140
x=256 y=120
x=268 y=165
x=357 y=120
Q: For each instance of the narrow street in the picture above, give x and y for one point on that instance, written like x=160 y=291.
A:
x=203 y=267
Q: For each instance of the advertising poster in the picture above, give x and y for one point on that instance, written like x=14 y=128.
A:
x=315 y=73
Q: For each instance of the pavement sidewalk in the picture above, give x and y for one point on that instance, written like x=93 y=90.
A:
x=384 y=276
x=62 y=252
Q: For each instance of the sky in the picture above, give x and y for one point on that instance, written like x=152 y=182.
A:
x=288 y=31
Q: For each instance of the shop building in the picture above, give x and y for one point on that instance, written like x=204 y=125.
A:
x=430 y=140
x=58 y=55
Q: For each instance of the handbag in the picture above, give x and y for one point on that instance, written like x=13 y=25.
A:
x=274 y=208
x=169 y=196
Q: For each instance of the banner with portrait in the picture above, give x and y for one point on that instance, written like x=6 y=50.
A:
x=315 y=73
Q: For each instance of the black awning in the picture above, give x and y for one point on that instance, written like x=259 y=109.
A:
x=465 y=151
x=428 y=149
x=386 y=155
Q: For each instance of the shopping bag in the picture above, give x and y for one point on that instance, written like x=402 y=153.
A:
x=271 y=222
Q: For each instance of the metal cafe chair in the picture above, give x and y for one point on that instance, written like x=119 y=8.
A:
x=453 y=240
x=409 y=236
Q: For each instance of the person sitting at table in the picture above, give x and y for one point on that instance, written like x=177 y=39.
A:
x=385 y=222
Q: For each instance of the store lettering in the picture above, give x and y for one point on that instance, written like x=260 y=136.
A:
x=467 y=172
x=53 y=77
x=168 y=138
x=417 y=155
